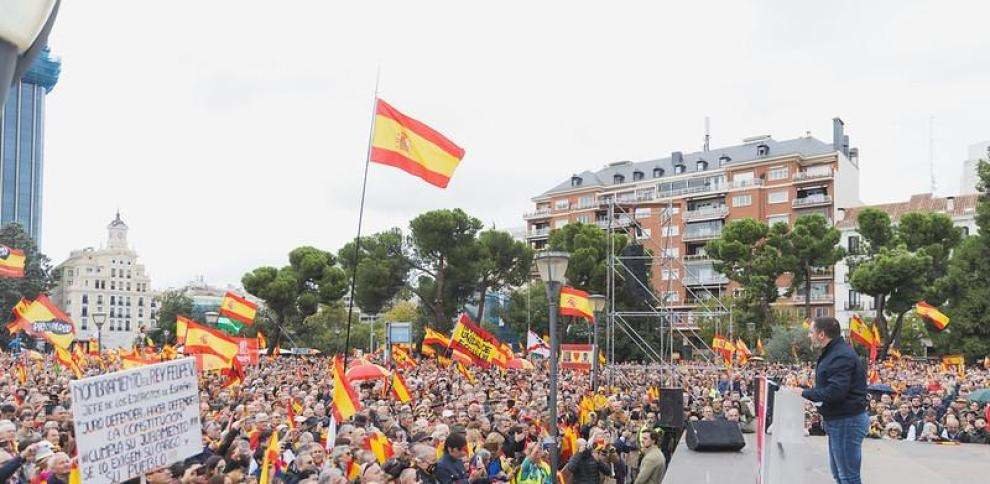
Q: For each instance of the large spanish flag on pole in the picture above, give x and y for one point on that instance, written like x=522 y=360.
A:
x=238 y=308
x=412 y=146
x=575 y=302
x=932 y=315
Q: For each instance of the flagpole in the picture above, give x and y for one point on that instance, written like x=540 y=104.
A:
x=357 y=238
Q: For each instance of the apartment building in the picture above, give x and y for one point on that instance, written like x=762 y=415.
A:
x=673 y=206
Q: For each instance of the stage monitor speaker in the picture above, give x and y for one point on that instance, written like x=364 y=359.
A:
x=672 y=407
x=714 y=436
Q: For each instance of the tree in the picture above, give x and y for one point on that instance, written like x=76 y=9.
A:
x=296 y=291
x=504 y=262
x=401 y=311
x=811 y=244
x=748 y=254
x=38 y=278
x=967 y=285
x=789 y=345
x=588 y=247
x=528 y=309
x=382 y=271
x=444 y=255
x=326 y=329
x=173 y=303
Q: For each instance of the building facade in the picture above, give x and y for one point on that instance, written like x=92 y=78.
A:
x=673 y=206
x=962 y=210
x=108 y=284
x=22 y=140
x=970 y=176
x=207 y=298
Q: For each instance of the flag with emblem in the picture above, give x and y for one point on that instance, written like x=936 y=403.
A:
x=201 y=339
x=65 y=359
x=238 y=308
x=18 y=310
x=345 y=400
x=11 y=262
x=181 y=328
x=575 y=302
x=379 y=445
x=860 y=332
x=932 y=315
x=402 y=357
x=399 y=388
x=43 y=318
x=234 y=374
x=409 y=145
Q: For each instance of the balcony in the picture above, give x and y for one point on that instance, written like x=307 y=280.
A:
x=697 y=257
x=813 y=174
x=812 y=201
x=697 y=235
x=706 y=213
x=586 y=205
x=541 y=213
x=705 y=280
x=822 y=273
x=680 y=192
x=815 y=298
x=562 y=208
x=859 y=306
x=538 y=233
x=753 y=182
x=622 y=221
x=645 y=197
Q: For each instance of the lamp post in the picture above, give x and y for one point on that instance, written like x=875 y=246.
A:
x=211 y=317
x=751 y=329
x=99 y=319
x=598 y=302
x=24 y=29
x=553 y=267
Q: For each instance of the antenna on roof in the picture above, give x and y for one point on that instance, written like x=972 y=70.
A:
x=708 y=134
x=931 y=150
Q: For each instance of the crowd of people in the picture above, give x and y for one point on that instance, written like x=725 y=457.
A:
x=455 y=430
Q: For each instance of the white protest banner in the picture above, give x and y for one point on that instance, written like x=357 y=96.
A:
x=132 y=421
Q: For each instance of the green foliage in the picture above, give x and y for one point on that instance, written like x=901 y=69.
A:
x=401 y=311
x=173 y=303
x=296 y=291
x=875 y=227
x=528 y=303
x=505 y=262
x=588 y=246
x=38 y=277
x=382 y=271
x=748 y=253
x=787 y=342
x=326 y=330
x=967 y=285
x=446 y=256
x=812 y=243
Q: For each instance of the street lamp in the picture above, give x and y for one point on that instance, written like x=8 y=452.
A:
x=24 y=29
x=598 y=302
x=553 y=267
x=99 y=319
x=212 y=317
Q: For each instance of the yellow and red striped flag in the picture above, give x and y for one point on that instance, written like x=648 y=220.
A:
x=271 y=463
x=932 y=315
x=262 y=341
x=402 y=358
x=413 y=147
x=64 y=358
x=345 y=400
x=399 y=388
x=11 y=262
x=466 y=373
x=742 y=351
x=860 y=332
x=43 y=318
x=575 y=302
x=379 y=445
x=238 y=308
x=353 y=470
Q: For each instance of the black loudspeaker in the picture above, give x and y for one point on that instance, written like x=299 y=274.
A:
x=715 y=436
x=672 y=408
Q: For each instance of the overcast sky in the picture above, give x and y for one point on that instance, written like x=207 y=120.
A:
x=229 y=132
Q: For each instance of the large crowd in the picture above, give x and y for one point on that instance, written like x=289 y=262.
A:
x=454 y=430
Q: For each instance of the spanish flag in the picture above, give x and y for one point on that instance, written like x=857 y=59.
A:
x=48 y=321
x=262 y=341
x=568 y=442
x=860 y=332
x=21 y=371
x=932 y=315
x=402 y=358
x=181 y=328
x=207 y=341
x=653 y=393
x=345 y=401
x=435 y=338
x=237 y=308
x=11 y=262
x=399 y=388
x=413 y=147
x=466 y=374
x=64 y=358
x=353 y=470
x=759 y=347
x=234 y=374
x=742 y=351
x=575 y=302
x=271 y=463
x=379 y=445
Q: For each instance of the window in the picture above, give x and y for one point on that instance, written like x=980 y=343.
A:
x=723 y=160
x=128 y=286
x=113 y=300
x=113 y=272
x=586 y=201
x=964 y=231
x=702 y=165
x=559 y=223
x=778 y=173
x=562 y=204
x=679 y=169
x=672 y=296
x=584 y=219
x=113 y=285
x=742 y=200
x=128 y=274
x=854 y=300
x=643 y=234
x=643 y=212
x=637 y=175
x=775 y=219
x=670 y=274
x=853 y=244
x=657 y=172
x=673 y=210
x=762 y=150
x=84 y=321
x=140 y=301
x=127 y=325
x=576 y=181
x=85 y=311
x=777 y=197
x=671 y=231
x=99 y=299
x=85 y=298
x=617 y=178
x=671 y=252
x=821 y=311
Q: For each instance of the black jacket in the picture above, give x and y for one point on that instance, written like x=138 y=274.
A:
x=450 y=471
x=840 y=382
x=584 y=469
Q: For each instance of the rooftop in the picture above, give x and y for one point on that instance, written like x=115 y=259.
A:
x=962 y=205
x=44 y=71
x=752 y=149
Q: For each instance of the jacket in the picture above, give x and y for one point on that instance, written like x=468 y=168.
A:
x=450 y=470
x=652 y=467
x=840 y=382
x=584 y=469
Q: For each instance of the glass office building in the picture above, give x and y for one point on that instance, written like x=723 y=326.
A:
x=22 y=136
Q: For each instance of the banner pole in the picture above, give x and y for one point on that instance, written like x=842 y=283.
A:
x=357 y=238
